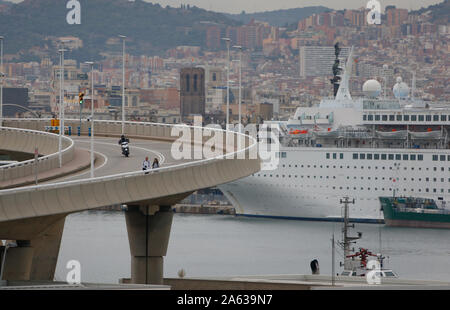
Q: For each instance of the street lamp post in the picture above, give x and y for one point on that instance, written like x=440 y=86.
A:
x=92 y=116
x=61 y=103
x=228 y=41
x=1 y=82
x=123 y=82
x=2 y=75
x=240 y=84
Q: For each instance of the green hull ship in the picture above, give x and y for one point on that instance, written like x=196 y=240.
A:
x=414 y=212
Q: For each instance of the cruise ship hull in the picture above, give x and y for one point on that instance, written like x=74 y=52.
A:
x=310 y=182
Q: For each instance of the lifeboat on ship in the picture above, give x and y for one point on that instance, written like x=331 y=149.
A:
x=429 y=134
x=298 y=132
x=325 y=133
x=393 y=134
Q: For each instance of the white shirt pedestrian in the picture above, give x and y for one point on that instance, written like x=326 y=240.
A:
x=146 y=164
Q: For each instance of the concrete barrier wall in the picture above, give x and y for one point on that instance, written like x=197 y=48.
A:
x=135 y=187
x=25 y=141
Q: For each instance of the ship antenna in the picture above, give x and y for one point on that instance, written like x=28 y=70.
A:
x=344 y=89
x=335 y=81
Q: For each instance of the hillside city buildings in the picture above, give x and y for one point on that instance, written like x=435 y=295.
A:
x=282 y=68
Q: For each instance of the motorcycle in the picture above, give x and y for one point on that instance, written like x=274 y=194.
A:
x=125 y=148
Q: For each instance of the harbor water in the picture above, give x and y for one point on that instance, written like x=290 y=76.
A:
x=226 y=245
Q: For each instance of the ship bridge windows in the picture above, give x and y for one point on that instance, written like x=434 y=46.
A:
x=436 y=118
x=377 y=117
x=391 y=117
x=399 y=117
x=384 y=117
x=443 y=118
x=406 y=118
x=391 y=156
x=442 y=158
x=428 y=118
x=421 y=118
x=413 y=118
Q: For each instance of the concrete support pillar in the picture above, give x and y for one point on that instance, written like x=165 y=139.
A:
x=36 y=257
x=18 y=261
x=46 y=250
x=148 y=234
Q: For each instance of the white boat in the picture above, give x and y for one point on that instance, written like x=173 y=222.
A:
x=314 y=171
x=326 y=133
x=396 y=134
x=435 y=134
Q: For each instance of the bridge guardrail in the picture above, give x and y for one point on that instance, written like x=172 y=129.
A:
x=25 y=141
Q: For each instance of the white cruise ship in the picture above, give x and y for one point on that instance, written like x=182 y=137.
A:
x=362 y=148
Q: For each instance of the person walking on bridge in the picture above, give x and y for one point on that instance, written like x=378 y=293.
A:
x=146 y=164
x=155 y=164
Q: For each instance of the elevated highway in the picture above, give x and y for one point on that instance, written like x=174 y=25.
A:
x=34 y=215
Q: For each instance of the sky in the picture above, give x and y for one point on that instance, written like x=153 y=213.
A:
x=250 y=6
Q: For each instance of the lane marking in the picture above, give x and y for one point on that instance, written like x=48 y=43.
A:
x=162 y=158
x=105 y=161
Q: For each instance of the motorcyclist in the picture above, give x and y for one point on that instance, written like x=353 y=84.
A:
x=123 y=139
x=123 y=142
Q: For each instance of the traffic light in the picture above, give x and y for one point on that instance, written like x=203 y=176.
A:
x=80 y=98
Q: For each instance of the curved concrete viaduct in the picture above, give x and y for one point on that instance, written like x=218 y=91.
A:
x=34 y=215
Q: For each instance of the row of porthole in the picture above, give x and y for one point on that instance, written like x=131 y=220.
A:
x=362 y=167
x=362 y=188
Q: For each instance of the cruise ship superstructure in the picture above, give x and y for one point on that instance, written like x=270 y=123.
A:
x=363 y=148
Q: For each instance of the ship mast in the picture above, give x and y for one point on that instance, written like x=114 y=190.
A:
x=347 y=240
x=335 y=81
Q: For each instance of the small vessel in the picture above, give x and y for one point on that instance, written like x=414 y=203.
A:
x=415 y=212
x=358 y=263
